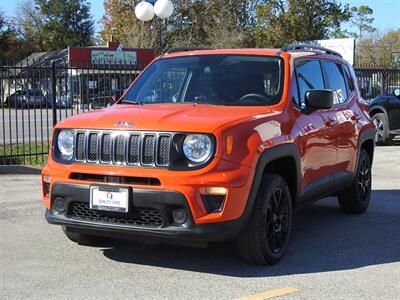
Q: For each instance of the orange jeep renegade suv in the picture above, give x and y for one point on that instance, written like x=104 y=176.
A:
x=211 y=145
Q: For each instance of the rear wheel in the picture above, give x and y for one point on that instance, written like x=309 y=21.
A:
x=83 y=239
x=265 y=239
x=355 y=199
x=382 y=136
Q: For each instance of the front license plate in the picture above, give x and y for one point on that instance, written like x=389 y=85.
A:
x=109 y=198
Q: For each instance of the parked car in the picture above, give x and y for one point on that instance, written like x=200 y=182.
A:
x=62 y=101
x=214 y=145
x=385 y=113
x=26 y=98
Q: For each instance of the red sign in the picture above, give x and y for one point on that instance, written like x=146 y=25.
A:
x=83 y=56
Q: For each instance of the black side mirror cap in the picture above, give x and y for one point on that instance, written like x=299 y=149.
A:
x=318 y=99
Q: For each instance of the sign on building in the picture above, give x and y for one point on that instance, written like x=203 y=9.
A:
x=102 y=57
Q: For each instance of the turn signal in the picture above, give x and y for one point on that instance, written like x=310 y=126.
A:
x=228 y=144
x=217 y=191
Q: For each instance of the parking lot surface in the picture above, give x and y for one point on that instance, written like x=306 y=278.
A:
x=330 y=256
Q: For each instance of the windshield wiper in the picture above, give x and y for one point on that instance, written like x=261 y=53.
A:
x=123 y=101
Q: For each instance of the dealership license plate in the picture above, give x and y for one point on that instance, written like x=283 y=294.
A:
x=109 y=198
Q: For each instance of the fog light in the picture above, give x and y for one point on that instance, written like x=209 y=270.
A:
x=180 y=216
x=59 y=205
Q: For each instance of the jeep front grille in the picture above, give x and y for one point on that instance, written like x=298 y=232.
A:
x=123 y=148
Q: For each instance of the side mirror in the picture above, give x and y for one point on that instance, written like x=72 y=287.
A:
x=318 y=99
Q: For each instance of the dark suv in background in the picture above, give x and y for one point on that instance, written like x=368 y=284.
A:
x=385 y=113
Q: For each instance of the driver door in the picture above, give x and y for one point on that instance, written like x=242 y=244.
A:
x=317 y=139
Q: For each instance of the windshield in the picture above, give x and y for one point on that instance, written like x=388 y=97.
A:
x=210 y=79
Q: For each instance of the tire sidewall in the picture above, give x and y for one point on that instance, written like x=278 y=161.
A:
x=363 y=204
x=385 y=137
x=265 y=197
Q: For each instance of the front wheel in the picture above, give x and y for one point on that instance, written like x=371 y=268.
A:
x=265 y=239
x=382 y=136
x=355 y=199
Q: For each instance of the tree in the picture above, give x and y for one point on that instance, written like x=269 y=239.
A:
x=5 y=36
x=120 y=24
x=376 y=49
x=281 y=22
x=31 y=27
x=12 y=48
x=206 y=23
x=65 y=23
x=362 y=20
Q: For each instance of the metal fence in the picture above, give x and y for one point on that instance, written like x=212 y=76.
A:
x=36 y=94
x=374 y=81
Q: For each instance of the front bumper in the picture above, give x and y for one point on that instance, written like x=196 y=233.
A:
x=160 y=202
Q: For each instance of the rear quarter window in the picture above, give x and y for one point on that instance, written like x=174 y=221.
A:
x=335 y=76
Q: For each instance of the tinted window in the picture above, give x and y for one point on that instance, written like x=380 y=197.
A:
x=349 y=79
x=309 y=76
x=336 y=82
x=211 y=79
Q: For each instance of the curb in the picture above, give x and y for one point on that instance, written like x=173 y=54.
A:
x=20 y=170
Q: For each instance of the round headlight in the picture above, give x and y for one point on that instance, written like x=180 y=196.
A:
x=65 y=143
x=197 y=147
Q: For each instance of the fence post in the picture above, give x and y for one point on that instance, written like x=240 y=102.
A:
x=53 y=92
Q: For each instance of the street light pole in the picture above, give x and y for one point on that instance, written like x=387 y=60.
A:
x=146 y=10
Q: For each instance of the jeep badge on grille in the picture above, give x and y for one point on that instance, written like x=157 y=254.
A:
x=123 y=124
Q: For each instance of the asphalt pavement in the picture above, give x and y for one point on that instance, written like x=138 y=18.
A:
x=331 y=255
x=21 y=125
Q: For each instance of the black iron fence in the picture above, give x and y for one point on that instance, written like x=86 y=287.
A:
x=36 y=94
x=374 y=81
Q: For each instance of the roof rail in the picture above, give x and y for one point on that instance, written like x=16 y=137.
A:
x=185 y=49
x=309 y=47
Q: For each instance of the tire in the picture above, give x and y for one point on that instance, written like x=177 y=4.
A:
x=382 y=136
x=259 y=242
x=355 y=199
x=83 y=239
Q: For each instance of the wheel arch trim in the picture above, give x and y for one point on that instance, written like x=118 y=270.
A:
x=268 y=156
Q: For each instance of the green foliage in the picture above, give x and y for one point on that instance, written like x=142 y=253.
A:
x=362 y=19
x=65 y=23
x=281 y=22
x=7 y=37
x=206 y=23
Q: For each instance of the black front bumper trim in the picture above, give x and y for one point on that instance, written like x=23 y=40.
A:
x=162 y=200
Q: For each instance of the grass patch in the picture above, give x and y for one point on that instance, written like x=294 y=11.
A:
x=31 y=154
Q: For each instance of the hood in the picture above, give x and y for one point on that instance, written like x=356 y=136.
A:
x=163 y=117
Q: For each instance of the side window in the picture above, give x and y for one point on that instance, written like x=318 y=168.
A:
x=295 y=91
x=336 y=81
x=349 y=79
x=309 y=75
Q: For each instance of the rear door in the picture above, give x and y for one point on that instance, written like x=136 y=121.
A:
x=345 y=115
x=317 y=142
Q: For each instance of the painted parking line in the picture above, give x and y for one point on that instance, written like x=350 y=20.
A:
x=270 y=294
